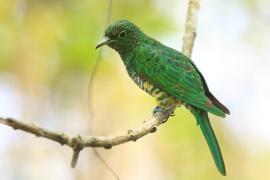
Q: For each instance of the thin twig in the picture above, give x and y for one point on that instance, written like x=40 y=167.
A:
x=94 y=71
x=90 y=103
x=106 y=164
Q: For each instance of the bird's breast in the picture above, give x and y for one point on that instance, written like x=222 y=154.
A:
x=164 y=99
x=144 y=83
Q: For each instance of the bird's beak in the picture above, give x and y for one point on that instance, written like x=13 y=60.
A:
x=105 y=41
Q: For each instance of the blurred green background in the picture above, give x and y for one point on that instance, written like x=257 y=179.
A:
x=47 y=53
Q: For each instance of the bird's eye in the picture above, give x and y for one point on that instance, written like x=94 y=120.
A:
x=122 y=34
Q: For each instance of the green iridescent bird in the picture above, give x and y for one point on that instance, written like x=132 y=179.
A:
x=169 y=76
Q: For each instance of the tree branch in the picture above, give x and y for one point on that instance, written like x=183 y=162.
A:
x=191 y=27
x=78 y=143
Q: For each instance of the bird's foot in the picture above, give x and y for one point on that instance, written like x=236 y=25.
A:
x=159 y=109
x=167 y=112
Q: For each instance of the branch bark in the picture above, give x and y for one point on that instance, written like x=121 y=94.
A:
x=78 y=143
x=190 y=27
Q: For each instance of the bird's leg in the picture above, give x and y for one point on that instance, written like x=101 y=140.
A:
x=166 y=109
x=166 y=112
x=166 y=104
x=160 y=109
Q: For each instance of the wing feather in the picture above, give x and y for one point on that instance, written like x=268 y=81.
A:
x=174 y=73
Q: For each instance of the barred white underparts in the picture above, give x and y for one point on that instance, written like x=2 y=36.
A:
x=164 y=99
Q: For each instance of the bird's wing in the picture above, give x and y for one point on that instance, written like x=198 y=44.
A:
x=174 y=73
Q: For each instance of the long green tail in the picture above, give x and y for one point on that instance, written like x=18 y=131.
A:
x=204 y=123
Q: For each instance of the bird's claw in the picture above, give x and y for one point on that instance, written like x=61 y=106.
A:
x=164 y=111
x=159 y=109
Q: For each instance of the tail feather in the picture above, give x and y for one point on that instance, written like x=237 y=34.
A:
x=216 y=102
x=206 y=128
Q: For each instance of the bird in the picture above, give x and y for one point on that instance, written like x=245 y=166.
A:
x=167 y=75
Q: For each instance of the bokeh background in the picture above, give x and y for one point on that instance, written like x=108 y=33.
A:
x=47 y=52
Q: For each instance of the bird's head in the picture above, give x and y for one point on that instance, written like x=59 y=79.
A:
x=122 y=36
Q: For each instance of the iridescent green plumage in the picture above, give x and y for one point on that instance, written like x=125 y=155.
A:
x=169 y=76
